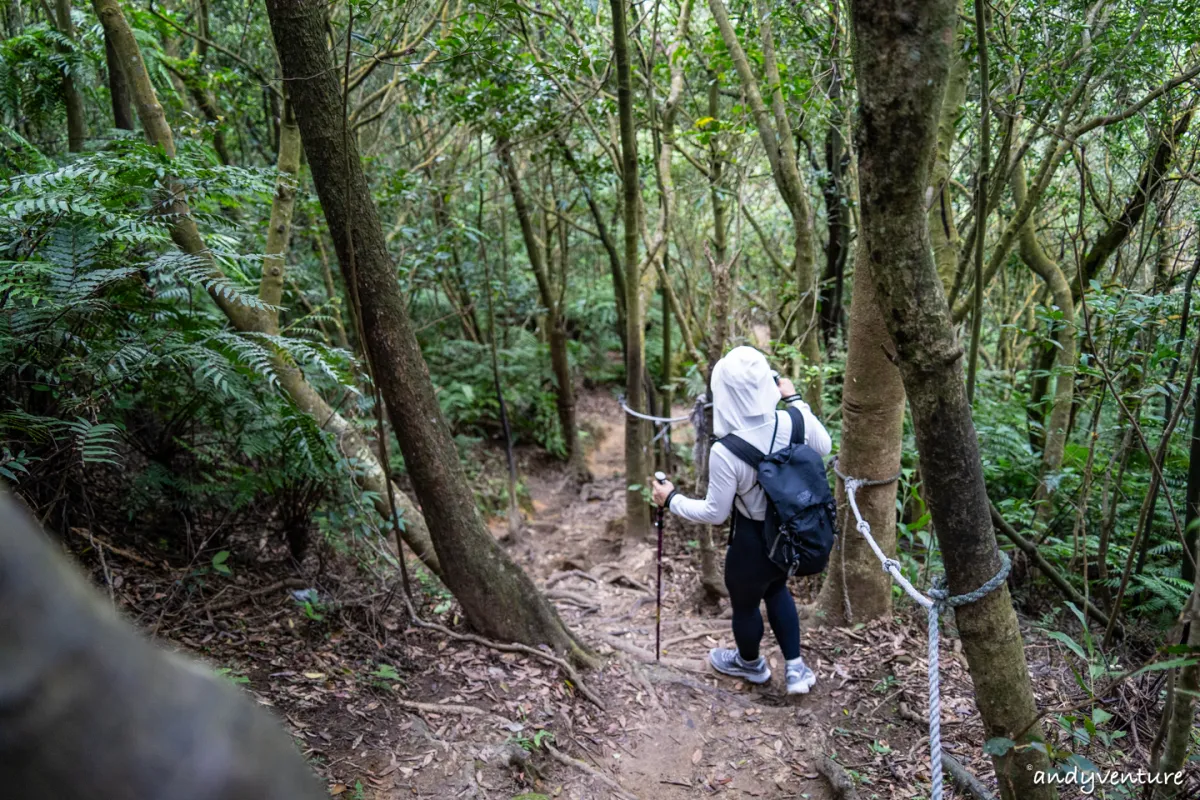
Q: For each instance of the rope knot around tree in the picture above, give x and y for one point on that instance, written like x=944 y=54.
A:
x=938 y=598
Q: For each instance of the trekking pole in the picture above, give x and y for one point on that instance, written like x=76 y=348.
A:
x=658 y=525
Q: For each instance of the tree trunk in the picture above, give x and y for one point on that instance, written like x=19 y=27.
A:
x=556 y=322
x=187 y=237
x=872 y=428
x=280 y=230
x=118 y=88
x=1192 y=512
x=76 y=118
x=837 y=206
x=981 y=195
x=901 y=54
x=1150 y=184
x=1055 y=431
x=497 y=597
x=637 y=452
x=1181 y=706
x=720 y=297
x=206 y=101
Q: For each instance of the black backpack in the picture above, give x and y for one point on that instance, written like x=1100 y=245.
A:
x=801 y=513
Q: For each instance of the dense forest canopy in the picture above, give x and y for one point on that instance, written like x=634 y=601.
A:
x=329 y=272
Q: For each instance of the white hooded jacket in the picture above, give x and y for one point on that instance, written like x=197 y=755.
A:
x=744 y=401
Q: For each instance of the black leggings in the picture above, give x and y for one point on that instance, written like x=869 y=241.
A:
x=751 y=578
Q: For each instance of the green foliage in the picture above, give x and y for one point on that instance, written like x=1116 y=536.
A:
x=115 y=357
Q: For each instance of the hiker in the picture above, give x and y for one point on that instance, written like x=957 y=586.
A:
x=745 y=393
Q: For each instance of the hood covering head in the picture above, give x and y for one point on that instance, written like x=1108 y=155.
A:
x=744 y=391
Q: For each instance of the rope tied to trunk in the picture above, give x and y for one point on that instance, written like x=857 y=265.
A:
x=939 y=598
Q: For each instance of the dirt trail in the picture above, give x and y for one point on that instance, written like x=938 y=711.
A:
x=674 y=731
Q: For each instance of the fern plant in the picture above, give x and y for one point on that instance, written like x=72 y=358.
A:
x=116 y=362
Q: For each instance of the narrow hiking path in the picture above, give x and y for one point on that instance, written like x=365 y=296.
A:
x=680 y=730
x=677 y=729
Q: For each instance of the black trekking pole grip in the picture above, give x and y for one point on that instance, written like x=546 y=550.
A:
x=658 y=525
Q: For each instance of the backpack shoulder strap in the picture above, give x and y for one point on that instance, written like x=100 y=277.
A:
x=797 y=424
x=742 y=449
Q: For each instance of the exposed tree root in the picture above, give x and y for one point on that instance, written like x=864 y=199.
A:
x=125 y=554
x=513 y=647
x=570 y=573
x=449 y=708
x=646 y=656
x=965 y=780
x=839 y=780
x=586 y=603
x=689 y=636
x=566 y=760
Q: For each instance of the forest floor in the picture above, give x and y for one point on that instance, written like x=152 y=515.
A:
x=387 y=710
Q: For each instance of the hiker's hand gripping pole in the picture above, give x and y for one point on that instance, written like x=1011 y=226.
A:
x=660 y=479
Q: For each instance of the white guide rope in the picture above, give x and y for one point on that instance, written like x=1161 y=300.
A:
x=938 y=599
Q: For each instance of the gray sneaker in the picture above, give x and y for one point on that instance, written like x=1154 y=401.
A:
x=727 y=661
x=800 y=679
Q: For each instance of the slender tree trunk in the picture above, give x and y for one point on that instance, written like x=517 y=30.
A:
x=902 y=57
x=837 y=206
x=1180 y=708
x=637 y=451
x=721 y=295
x=556 y=322
x=872 y=428
x=76 y=117
x=514 y=509
x=668 y=391
x=118 y=88
x=1192 y=512
x=981 y=193
x=716 y=166
x=497 y=597
x=1054 y=437
x=721 y=300
x=331 y=292
x=280 y=230
x=187 y=237
x=14 y=19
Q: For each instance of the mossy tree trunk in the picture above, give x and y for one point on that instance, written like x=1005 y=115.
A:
x=279 y=232
x=1054 y=436
x=497 y=597
x=902 y=54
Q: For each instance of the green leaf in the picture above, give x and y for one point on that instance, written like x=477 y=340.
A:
x=1070 y=643
x=1171 y=663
